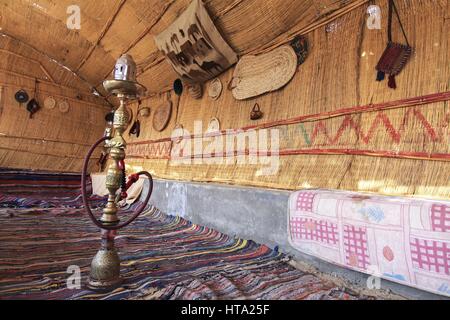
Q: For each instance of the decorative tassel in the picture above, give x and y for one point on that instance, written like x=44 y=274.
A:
x=380 y=76
x=392 y=84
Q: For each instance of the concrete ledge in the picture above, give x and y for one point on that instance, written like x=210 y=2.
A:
x=254 y=214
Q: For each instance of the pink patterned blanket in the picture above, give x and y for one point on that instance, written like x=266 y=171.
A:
x=406 y=240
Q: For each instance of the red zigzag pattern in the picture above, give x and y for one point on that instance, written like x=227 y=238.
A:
x=151 y=151
x=380 y=120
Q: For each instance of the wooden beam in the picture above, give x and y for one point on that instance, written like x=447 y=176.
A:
x=47 y=74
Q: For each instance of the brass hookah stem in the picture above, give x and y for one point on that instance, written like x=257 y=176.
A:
x=115 y=173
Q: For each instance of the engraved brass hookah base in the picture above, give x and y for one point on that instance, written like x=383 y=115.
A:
x=105 y=267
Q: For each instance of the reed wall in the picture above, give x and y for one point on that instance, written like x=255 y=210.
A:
x=51 y=140
x=338 y=127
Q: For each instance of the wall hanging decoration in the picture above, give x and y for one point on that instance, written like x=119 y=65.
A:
x=21 y=96
x=255 y=75
x=194 y=46
x=213 y=126
x=144 y=112
x=256 y=113
x=195 y=90
x=49 y=103
x=32 y=105
x=396 y=55
x=300 y=46
x=215 y=89
x=178 y=87
x=63 y=107
x=162 y=116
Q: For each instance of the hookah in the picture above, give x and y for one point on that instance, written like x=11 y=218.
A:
x=105 y=266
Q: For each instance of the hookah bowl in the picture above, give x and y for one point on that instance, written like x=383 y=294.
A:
x=105 y=267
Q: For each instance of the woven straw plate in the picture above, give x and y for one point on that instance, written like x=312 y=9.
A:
x=255 y=75
x=215 y=89
x=162 y=116
x=49 y=103
x=213 y=126
x=64 y=107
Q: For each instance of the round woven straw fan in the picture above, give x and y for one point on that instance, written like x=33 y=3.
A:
x=64 y=106
x=49 y=103
x=255 y=75
x=162 y=115
x=215 y=89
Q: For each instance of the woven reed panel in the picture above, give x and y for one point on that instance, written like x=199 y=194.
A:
x=339 y=73
x=51 y=140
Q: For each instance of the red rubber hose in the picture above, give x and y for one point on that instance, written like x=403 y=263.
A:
x=85 y=197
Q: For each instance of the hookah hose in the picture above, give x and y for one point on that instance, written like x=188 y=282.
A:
x=85 y=197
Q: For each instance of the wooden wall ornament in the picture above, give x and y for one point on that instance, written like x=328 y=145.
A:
x=256 y=75
x=162 y=116
x=194 y=46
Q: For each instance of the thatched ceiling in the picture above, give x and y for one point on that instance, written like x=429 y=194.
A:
x=112 y=27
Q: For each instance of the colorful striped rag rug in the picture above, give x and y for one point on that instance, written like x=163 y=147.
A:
x=163 y=257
